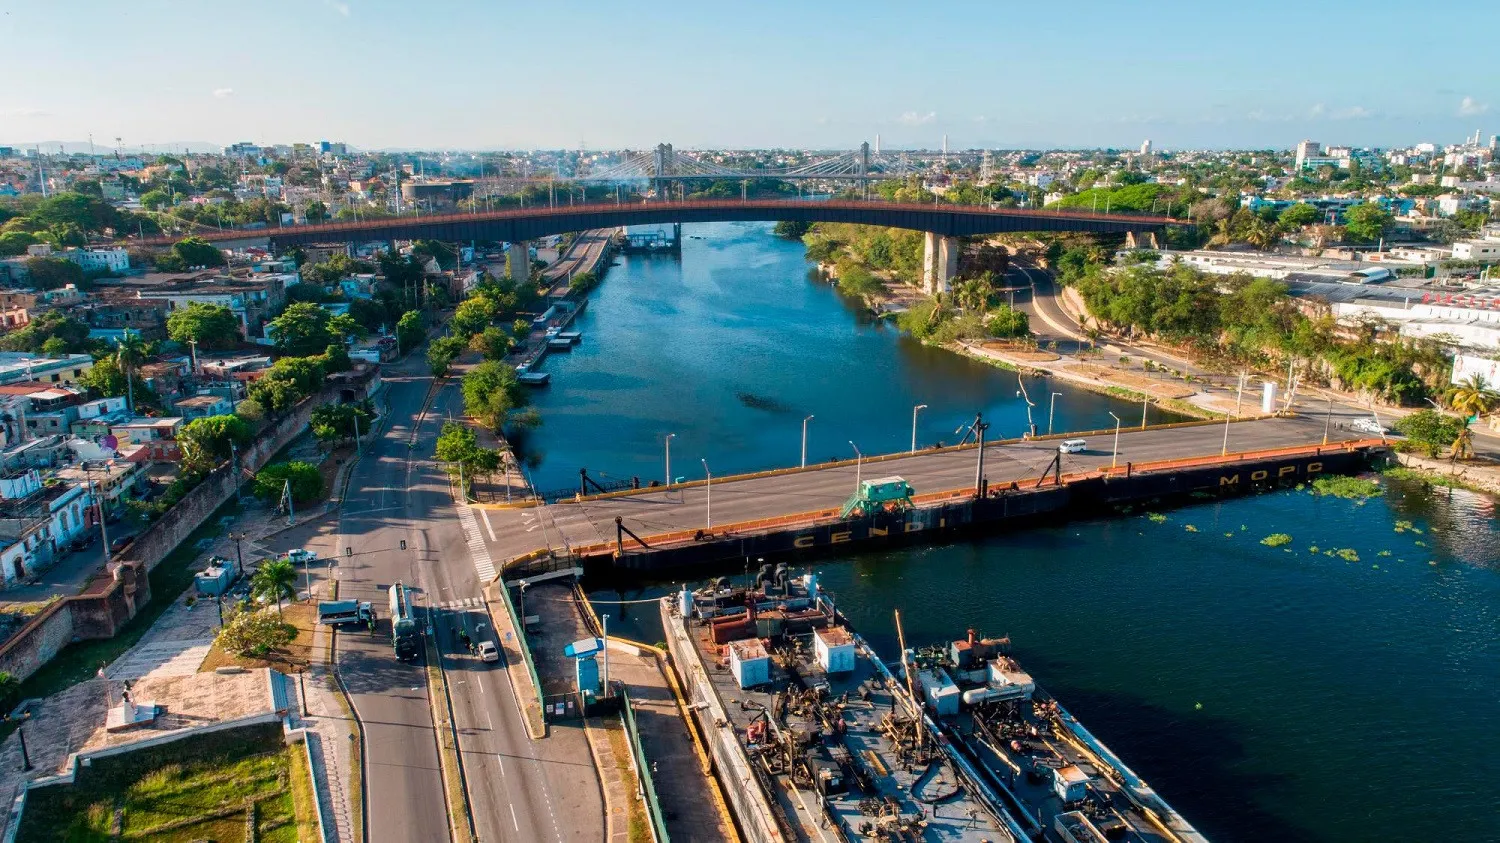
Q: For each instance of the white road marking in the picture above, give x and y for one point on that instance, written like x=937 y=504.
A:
x=489 y=528
x=513 y=820
x=484 y=566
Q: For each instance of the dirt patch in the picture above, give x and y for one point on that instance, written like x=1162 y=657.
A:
x=293 y=658
x=1019 y=353
x=1137 y=382
x=329 y=468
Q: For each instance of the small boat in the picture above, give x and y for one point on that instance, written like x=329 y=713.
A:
x=534 y=378
x=559 y=344
x=570 y=336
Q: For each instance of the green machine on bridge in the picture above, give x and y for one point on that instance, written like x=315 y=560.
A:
x=889 y=494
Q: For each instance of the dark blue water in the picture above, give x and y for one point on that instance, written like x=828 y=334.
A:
x=1268 y=693
x=732 y=345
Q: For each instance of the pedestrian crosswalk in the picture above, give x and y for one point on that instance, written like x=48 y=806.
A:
x=484 y=565
x=466 y=603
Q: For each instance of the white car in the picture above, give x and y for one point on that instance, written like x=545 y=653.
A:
x=1072 y=446
x=299 y=556
x=488 y=652
x=1364 y=424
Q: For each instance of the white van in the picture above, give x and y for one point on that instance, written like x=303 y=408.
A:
x=1072 y=446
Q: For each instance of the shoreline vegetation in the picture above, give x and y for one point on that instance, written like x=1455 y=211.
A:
x=1224 y=324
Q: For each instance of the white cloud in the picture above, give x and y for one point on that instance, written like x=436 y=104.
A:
x=223 y=93
x=1467 y=107
x=24 y=113
x=1317 y=110
x=1353 y=112
x=341 y=8
x=912 y=118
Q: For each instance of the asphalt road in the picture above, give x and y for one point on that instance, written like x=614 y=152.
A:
x=517 y=531
x=518 y=789
x=385 y=506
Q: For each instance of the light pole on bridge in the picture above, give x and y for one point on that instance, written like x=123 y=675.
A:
x=804 y=440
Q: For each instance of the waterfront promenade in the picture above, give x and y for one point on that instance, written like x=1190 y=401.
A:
x=513 y=533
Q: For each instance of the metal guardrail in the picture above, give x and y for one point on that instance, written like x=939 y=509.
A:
x=643 y=770
x=525 y=646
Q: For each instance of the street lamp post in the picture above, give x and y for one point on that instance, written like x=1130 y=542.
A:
x=859 y=461
x=804 y=440
x=668 y=441
x=914 y=411
x=1239 y=393
x=708 y=496
x=1051 y=409
x=1145 y=402
x=1114 y=454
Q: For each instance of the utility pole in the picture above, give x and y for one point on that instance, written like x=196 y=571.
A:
x=286 y=494
x=980 y=426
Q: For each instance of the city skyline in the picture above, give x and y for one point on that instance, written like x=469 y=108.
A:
x=786 y=76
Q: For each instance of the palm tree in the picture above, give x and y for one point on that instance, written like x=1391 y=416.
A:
x=275 y=580
x=1463 y=446
x=1473 y=397
x=129 y=353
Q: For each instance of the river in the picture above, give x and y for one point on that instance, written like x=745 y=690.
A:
x=1269 y=693
x=731 y=346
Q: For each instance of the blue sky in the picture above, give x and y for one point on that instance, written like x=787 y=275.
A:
x=505 y=74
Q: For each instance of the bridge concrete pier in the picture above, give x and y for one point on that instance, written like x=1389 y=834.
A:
x=520 y=262
x=939 y=262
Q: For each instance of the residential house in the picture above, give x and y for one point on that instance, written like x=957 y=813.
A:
x=37 y=520
x=253 y=299
x=112 y=481
x=157 y=435
x=202 y=406
x=99 y=260
x=19 y=366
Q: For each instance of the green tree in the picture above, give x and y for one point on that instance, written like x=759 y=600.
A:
x=492 y=342
x=275 y=579
x=155 y=199
x=473 y=315
x=254 y=633
x=411 y=329
x=107 y=380
x=212 y=326
x=1367 y=222
x=1430 y=431
x=195 y=251
x=15 y=242
x=458 y=448
x=301 y=329
x=442 y=352
x=1006 y=322
x=1298 y=216
x=334 y=423
x=53 y=273
x=343 y=327
x=307 y=483
x=492 y=393
x=206 y=441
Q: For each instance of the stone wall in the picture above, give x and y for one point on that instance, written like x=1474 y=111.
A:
x=117 y=594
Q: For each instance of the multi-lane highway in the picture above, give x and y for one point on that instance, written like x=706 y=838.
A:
x=518 y=790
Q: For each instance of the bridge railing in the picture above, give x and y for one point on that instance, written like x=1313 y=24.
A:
x=354 y=226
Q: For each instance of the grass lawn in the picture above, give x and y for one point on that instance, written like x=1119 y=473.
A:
x=222 y=787
x=293 y=658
